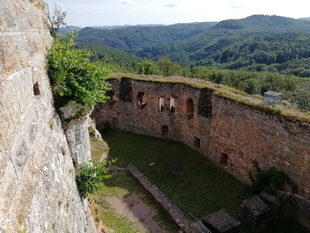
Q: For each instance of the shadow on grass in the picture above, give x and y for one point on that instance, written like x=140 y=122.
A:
x=198 y=187
x=133 y=207
x=201 y=188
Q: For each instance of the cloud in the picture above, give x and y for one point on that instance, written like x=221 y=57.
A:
x=129 y=2
x=172 y=4
x=237 y=7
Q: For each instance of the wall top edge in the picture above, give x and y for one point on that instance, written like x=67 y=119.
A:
x=222 y=91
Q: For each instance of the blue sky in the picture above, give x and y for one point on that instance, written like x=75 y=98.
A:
x=123 y=12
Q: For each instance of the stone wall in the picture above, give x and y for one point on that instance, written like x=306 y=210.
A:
x=229 y=133
x=38 y=190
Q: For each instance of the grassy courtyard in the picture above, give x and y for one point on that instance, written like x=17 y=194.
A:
x=199 y=188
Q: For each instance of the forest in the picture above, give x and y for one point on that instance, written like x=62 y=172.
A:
x=254 y=54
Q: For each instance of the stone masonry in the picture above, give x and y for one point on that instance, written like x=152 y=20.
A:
x=38 y=191
x=183 y=222
x=229 y=133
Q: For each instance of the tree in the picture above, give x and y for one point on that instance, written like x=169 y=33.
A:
x=56 y=19
x=147 y=67
x=167 y=67
x=72 y=74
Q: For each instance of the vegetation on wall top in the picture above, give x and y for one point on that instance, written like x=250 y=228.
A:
x=72 y=74
x=220 y=90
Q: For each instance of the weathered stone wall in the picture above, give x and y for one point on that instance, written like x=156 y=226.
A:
x=229 y=133
x=246 y=134
x=38 y=190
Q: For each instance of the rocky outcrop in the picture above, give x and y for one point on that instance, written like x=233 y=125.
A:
x=38 y=190
x=77 y=119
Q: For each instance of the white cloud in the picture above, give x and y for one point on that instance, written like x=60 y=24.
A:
x=129 y=2
x=172 y=4
x=237 y=7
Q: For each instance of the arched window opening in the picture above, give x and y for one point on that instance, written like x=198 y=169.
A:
x=190 y=108
x=36 y=89
x=224 y=159
x=111 y=95
x=161 y=104
x=140 y=102
x=172 y=105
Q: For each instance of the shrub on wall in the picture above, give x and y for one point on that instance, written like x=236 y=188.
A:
x=267 y=180
x=72 y=75
x=88 y=177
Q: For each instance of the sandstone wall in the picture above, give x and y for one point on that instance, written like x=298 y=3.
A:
x=229 y=133
x=37 y=177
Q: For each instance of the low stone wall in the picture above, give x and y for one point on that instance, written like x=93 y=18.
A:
x=183 y=222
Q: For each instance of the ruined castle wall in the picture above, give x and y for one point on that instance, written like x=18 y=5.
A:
x=124 y=111
x=245 y=134
x=229 y=133
x=38 y=191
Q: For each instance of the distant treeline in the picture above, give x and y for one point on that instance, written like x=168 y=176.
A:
x=256 y=43
x=295 y=89
x=255 y=54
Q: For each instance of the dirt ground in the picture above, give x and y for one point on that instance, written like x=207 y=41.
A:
x=139 y=213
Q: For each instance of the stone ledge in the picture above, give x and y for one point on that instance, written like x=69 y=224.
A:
x=183 y=222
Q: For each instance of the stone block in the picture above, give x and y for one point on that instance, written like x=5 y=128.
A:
x=221 y=222
x=272 y=97
x=255 y=213
x=272 y=203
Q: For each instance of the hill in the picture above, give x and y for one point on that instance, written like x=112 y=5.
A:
x=65 y=30
x=265 y=23
x=124 y=61
x=255 y=43
x=137 y=37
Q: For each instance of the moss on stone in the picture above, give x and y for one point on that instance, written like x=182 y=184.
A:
x=224 y=92
x=98 y=148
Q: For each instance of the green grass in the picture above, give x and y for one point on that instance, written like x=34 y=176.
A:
x=203 y=189
x=121 y=185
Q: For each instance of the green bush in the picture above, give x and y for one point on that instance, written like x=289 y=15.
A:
x=72 y=75
x=88 y=177
x=267 y=180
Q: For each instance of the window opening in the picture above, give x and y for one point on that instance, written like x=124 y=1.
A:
x=140 y=101
x=172 y=105
x=224 y=159
x=110 y=94
x=115 y=122
x=161 y=104
x=190 y=108
x=197 y=143
x=164 y=130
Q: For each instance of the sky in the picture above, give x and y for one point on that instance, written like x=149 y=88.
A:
x=84 y=13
